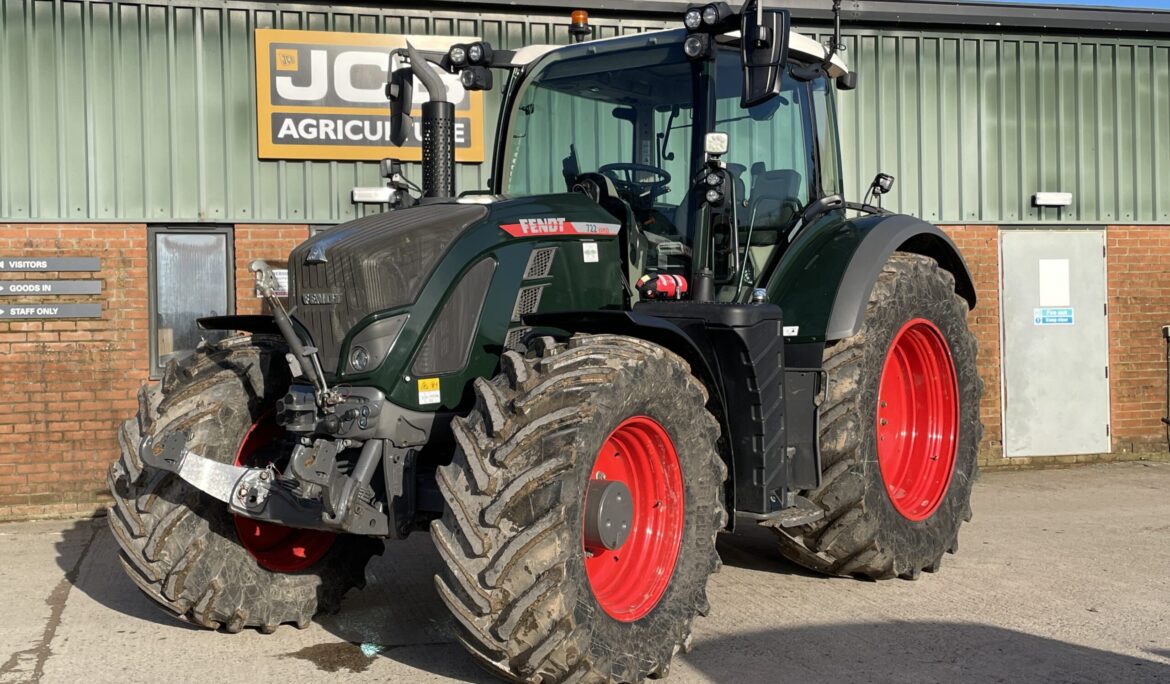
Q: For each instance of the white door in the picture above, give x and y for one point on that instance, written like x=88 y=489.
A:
x=1055 y=344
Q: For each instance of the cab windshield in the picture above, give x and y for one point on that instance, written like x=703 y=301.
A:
x=624 y=117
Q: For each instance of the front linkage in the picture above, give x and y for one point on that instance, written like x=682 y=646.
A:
x=313 y=491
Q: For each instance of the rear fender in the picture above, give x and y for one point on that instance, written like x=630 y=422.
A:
x=824 y=280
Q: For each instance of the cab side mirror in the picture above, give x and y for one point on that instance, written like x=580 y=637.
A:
x=400 y=92
x=763 y=51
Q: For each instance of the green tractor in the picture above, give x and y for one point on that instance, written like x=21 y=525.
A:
x=661 y=321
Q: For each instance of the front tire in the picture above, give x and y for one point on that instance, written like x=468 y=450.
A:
x=536 y=598
x=182 y=547
x=899 y=434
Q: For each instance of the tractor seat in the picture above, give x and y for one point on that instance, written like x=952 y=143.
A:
x=774 y=204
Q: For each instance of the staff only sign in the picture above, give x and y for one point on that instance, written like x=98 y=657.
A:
x=321 y=95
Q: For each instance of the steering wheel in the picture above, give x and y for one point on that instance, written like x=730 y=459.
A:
x=634 y=187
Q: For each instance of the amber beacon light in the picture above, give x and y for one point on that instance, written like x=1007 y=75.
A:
x=579 y=27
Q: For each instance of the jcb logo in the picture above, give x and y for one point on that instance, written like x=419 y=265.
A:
x=321 y=95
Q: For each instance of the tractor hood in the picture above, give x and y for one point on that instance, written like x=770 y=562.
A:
x=375 y=263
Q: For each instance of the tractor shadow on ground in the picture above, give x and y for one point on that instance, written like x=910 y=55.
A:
x=910 y=652
x=88 y=556
x=753 y=547
x=400 y=616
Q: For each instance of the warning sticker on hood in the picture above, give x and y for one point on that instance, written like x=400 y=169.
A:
x=428 y=391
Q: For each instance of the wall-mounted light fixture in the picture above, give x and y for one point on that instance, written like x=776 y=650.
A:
x=1052 y=199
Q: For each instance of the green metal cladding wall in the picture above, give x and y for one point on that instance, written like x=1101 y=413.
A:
x=139 y=112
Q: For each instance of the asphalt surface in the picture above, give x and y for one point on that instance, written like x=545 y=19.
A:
x=1063 y=576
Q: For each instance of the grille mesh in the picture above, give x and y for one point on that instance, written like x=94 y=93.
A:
x=527 y=301
x=540 y=263
x=512 y=341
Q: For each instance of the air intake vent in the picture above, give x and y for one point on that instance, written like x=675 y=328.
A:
x=448 y=343
x=527 y=301
x=515 y=335
x=540 y=263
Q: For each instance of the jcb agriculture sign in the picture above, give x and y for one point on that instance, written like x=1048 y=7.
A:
x=321 y=95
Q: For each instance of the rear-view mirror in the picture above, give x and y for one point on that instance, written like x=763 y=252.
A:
x=400 y=92
x=763 y=50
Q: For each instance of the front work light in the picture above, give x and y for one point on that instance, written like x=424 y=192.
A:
x=457 y=56
x=479 y=54
x=697 y=46
x=476 y=78
x=715 y=17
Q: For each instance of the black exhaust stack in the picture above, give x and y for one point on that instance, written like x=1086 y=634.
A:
x=438 y=122
x=438 y=148
x=438 y=130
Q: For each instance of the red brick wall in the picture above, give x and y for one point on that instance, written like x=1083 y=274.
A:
x=271 y=243
x=980 y=248
x=1139 y=305
x=66 y=385
x=1138 y=271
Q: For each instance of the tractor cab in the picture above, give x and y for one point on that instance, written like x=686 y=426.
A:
x=629 y=126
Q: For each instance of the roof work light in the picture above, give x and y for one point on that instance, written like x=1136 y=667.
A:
x=715 y=17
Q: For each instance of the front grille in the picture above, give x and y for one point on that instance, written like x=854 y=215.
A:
x=372 y=264
x=449 y=341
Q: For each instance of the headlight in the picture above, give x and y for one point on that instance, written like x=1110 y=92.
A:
x=359 y=359
x=369 y=348
x=692 y=19
x=710 y=15
x=714 y=196
x=458 y=55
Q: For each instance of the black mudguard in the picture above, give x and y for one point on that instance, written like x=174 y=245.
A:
x=884 y=235
x=253 y=323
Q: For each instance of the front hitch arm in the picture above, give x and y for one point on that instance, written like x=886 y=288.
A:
x=256 y=493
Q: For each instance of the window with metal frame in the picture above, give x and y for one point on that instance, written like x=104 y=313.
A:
x=191 y=276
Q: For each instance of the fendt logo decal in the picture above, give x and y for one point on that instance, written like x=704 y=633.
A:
x=321 y=95
x=531 y=227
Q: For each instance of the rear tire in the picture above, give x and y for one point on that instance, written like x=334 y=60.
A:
x=530 y=603
x=181 y=547
x=870 y=528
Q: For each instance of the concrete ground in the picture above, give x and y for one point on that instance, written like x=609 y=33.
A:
x=1063 y=576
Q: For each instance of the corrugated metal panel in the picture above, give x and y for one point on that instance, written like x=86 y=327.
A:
x=128 y=111
x=134 y=112
x=973 y=124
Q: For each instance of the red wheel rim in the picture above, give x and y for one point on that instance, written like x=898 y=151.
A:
x=917 y=419
x=629 y=581
x=275 y=547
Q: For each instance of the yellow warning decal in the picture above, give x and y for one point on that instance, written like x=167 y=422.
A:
x=428 y=391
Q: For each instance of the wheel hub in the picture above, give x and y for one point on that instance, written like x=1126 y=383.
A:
x=609 y=511
x=633 y=518
x=917 y=419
